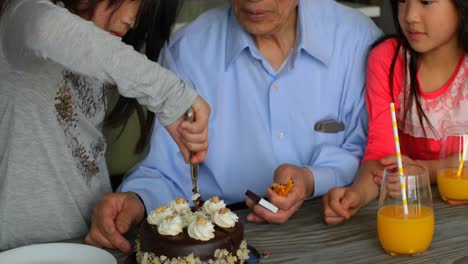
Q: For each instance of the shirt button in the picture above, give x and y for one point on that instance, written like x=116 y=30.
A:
x=255 y=62
x=280 y=135
x=276 y=85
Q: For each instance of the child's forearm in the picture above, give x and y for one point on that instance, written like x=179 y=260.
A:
x=364 y=183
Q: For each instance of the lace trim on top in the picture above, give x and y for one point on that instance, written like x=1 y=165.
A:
x=452 y=104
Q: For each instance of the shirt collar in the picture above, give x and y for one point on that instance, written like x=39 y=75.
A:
x=316 y=42
x=237 y=39
x=313 y=34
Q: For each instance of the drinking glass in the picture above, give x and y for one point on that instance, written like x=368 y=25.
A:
x=403 y=233
x=452 y=174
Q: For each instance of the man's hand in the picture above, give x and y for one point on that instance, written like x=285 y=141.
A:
x=340 y=204
x=113 y=217
x=288 y=205
x=192 y=136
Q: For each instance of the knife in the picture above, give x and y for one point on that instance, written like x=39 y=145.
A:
x=193 y=166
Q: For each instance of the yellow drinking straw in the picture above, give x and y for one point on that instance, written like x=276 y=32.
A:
x=462 y=159
x=400 y=164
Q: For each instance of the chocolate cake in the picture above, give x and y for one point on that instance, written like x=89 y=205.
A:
x=177 y=234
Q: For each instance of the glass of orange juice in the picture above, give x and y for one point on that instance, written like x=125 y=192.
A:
x=452 y=175
x=403 y=233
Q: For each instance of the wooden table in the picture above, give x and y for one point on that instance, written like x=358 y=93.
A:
x=306 y=239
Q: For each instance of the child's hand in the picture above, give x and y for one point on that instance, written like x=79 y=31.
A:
x=392 y=183
x=389 y=161
x=192 y=136
x=452 y=202
x=340 y=204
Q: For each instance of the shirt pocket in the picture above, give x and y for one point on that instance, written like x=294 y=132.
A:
x=336 y=138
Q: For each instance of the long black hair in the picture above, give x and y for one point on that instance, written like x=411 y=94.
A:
x=153 y=26
x=411 y=64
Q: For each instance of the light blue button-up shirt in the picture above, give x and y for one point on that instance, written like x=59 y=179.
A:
x=262 y=118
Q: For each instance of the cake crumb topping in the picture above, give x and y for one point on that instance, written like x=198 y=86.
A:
x=201 y=220
x=180 y=200
x=222 y=256
x=161 y=209
x=224 y=210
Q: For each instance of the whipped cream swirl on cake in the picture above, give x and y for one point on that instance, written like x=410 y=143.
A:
x=201 y=229
x=213 y=205
x=187 y=219
x=171 y=226
x=157 y=216
x=225 y=218
x=180 y=206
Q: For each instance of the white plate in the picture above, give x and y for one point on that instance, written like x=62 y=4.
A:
x=55 y=253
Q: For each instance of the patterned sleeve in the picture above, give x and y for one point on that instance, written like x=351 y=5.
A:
x=34 y=31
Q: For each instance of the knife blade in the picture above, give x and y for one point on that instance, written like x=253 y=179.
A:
x=193 y=166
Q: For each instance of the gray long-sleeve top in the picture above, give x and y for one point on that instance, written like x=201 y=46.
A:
x=55 y=74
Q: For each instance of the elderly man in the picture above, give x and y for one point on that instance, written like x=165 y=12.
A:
x=285 y=81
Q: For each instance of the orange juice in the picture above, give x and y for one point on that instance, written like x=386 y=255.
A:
x=400 y=234
x=451 y=186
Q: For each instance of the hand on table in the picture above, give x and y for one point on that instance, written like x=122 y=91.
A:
x=113 y=217
x=288 y=205
x=192 y=136
x=340 y=204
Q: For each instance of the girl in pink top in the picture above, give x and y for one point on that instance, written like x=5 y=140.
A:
x=423 y=70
